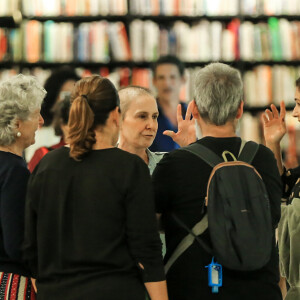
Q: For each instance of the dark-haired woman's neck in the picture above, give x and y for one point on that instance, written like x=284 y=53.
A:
x=104 y=139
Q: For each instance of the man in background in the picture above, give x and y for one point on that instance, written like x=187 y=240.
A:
x=168 y=78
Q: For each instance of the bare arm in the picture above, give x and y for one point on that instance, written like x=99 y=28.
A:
x=33 y=282
x=274 y=130
x=282 y=285
x=157 y=290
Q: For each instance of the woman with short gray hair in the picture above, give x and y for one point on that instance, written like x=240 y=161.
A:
x=20 y=104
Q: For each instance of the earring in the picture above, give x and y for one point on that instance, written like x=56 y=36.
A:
x=19 y=134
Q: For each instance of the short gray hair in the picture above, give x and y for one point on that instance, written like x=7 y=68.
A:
x=128 y=94
x=20 y=96
x=218 y=91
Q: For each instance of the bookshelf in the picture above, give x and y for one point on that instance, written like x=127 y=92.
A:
x=121 y=38
x=126 y=36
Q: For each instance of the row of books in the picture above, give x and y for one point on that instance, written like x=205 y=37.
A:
x=262 y=86
x=270 y=7
x=184 y=7
x=8 y=7
x=159 y=7
x=103 y=41
x=62 y=42
x=265 y=84
x=214 y=7
x=150 y=7
x=73 y=7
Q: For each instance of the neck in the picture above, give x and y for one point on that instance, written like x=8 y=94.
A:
x=167 y=103
x=14 y=148
x=104 y=139
x=227 y=130
x=141 y=152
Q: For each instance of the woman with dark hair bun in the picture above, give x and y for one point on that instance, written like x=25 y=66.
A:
x=58 y=84
x=91 y=231
x=60 y=125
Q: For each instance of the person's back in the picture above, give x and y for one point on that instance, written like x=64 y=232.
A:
x=86 y=234
x=91 y=231
x=180 y=182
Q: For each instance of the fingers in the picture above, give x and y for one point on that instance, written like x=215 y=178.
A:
x=269 y=114
x=265 y=119
x=179 y=113
x=169 y=133
x=282 y=110
x=274 y=111
x=274 y=114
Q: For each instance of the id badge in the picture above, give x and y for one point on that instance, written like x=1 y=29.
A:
x=214 y=276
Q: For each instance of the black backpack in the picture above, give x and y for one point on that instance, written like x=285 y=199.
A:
x=238 y=212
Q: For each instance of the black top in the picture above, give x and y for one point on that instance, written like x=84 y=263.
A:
x=13 y=181
x=89 y=224
x=180 y=183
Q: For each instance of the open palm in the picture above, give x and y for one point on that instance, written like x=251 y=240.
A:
x=186 y=133
x=274 y=124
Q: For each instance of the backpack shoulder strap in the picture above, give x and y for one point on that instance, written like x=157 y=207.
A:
x=248 y=152
x=188 y=240
x=204 y=153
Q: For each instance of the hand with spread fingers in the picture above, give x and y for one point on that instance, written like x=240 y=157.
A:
x=274 y=124
x=186 y=133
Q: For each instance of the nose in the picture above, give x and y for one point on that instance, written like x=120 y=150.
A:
x=41 y=121
x=151 y=124
x=295 y=112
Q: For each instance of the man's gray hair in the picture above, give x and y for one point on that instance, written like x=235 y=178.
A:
x=218 y=91
x=20 y=96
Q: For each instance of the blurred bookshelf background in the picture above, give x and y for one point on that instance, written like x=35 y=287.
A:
x=121 y=38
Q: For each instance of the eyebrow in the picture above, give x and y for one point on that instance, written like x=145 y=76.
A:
x=145 y=112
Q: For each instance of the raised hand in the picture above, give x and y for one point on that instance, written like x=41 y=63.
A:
x=186 y=133
x=274 y=124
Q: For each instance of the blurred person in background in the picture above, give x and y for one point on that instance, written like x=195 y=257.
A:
x=168 y=78
x=20 y=104
x=60 y=125
x=59 y=83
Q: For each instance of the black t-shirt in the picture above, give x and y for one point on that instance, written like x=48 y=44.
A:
x=13 y=182
x=88 y=225
x=180 y=183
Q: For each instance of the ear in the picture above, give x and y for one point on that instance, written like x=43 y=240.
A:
x=116 y=116
x=195 y=110
x=18 y=124
x=240 y=110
